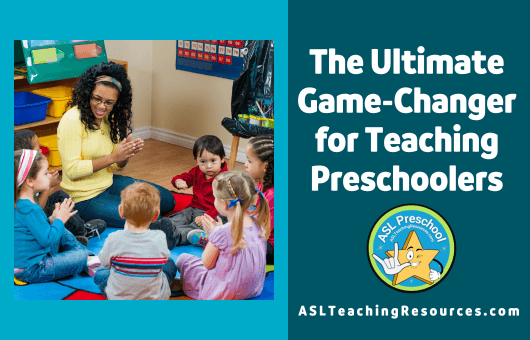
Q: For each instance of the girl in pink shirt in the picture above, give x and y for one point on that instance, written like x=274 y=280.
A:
x=260 y=166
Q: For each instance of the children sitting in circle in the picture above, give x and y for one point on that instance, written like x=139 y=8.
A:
x=136 y=263
x=232 y=266
x=226 y=216
x=27 y=139
x=44 y=249
x=260 y=166
x=209 y=153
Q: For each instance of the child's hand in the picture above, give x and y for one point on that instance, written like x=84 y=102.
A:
x=53 y=215
x=55 y=179
x=208 y=223
x=64 y=211
x=198 y=221
x=181 y=184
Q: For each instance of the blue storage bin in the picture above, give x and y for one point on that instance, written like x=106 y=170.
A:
x=30 y=107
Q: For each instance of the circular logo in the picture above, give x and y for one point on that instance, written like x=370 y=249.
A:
x=411 y=248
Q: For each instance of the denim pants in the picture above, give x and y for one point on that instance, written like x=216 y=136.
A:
x=75 y=224
x=105 y=205
x=67 y=257
x=102 y=275
x=183 y=222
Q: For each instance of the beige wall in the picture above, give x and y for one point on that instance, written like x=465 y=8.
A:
x=188 y=103
x=139 y=55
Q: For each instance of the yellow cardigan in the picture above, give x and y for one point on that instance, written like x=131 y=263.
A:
x=77 y=148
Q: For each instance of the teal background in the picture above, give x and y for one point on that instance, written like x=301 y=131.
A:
x=166 y=20
x=328 y=231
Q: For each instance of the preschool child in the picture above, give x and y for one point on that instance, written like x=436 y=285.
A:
x=209 y=153
x=44 y=250
x=233 y=263
x=27 y=139
x=260 y=166
x=135 y=261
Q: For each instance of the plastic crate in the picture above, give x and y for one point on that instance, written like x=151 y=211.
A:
x=50 y=142
x=60 y=96
x=30 y=107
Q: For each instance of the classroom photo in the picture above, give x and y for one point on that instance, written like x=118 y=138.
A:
x=144 y=170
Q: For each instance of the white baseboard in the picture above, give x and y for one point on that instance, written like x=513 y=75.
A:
x=143 y=132
x=178 y=139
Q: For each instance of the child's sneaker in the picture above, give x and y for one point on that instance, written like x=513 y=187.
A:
x=83 y=240
x=92 y=265
x=198 y=238
x=95 y=228
x=166 y=226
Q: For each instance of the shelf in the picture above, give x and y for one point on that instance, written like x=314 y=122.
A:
x=47 y=126
x=48 y=120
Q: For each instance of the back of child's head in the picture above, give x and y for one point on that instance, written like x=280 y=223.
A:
x=263 y=148
x=30 y=172
x=24 y=139
x=140 y=203
x=210 y=143
x=233 y=186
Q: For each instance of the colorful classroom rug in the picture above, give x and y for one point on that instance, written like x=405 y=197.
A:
x=82 y=286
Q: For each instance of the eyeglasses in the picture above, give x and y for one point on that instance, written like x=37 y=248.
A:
x=99 y=101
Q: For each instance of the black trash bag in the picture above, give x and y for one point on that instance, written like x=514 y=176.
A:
x=256 y=79
x=245 y=130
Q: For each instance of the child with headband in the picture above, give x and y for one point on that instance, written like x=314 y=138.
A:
x=27 y=139
x=44 y=249
x=233 y=263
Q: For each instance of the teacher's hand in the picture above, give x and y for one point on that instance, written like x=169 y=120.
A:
x=124 y=150
x=138 y=145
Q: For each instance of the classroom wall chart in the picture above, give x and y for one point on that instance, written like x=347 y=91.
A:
x=220 y=58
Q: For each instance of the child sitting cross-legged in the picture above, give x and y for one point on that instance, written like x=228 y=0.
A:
x=181 y=227
x=232 y=266
x=136 y=259
x=44 y=249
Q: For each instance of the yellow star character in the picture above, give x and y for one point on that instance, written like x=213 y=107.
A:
x=419 y=259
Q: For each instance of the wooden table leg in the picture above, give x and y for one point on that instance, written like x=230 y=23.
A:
x=233 y=153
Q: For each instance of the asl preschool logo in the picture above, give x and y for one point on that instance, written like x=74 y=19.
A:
x=411 y=248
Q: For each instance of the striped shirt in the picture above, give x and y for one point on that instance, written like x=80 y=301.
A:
x=136 y=262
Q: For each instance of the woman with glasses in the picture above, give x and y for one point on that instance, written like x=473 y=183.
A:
x=94 y=135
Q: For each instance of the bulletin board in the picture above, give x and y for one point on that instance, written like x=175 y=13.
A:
x=46 y=60
x=220 y=58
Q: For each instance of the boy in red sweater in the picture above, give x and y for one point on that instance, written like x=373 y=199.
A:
x=210 y=155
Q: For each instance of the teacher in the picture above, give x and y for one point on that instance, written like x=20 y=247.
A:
x=95 y=134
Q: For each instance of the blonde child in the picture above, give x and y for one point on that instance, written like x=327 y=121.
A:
x=260 y=166
x=233 y=263
x=44 y=249
x=138 y=258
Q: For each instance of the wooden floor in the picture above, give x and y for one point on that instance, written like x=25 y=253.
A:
x=159 y=162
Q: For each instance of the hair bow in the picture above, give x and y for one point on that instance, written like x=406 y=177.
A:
x=260 y=192
x=233 y=202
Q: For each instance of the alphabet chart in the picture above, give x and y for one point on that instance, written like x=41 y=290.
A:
x=220 y=58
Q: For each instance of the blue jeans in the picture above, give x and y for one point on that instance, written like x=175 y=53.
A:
x=67 y=257
x=102 y=275
x=105 y=205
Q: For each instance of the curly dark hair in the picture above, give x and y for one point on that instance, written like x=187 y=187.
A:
x=263 y=147
x=24 y=139
x=120 y=117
